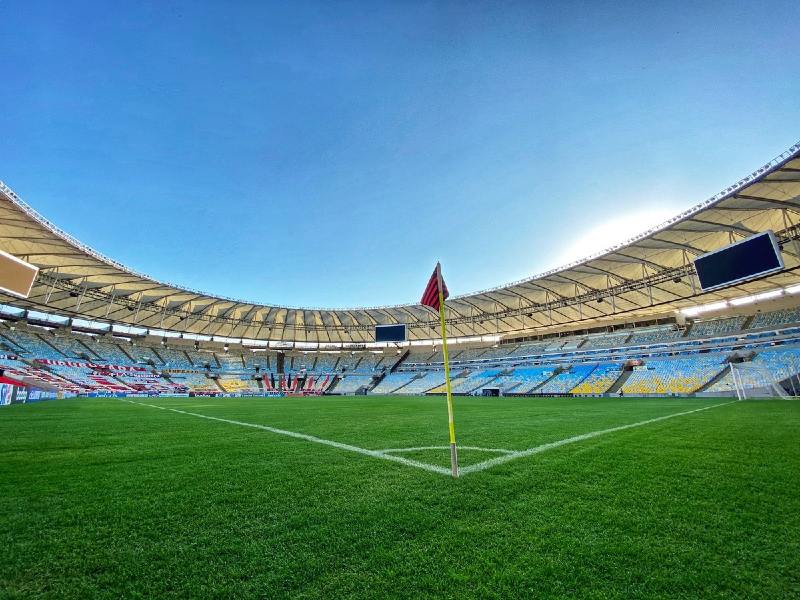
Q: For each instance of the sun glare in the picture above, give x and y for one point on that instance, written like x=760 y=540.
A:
x=613 y=231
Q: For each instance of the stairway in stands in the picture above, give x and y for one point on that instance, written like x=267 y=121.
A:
x=714 y=379
x=624 y=376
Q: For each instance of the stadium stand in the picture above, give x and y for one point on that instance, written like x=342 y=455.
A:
x=599 y=380
x=674 y=376
x=579 y=364
x=717 y=327
x=350 y=384
x=260 y=360
x=610 y=340
x=530 y=378
x=32 y=344
x=565 y=381
x=71 y=347
x=773 y=366
x=144 y=355
x=174 y=358
x=325 y=363
x=653 y=335
x=230 y=362
x=426 y=383
x=109 y=352
x=475 y=381
x=195 y=382
x=775 y=318
x=201 y=359
x=392 y=382
x=236 y=385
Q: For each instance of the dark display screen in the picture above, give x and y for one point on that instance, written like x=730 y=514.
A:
x=755 y=256
x=390 y=333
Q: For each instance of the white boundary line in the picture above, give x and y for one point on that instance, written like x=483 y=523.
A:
x=492 y=462
x=310 y=438
x=507 y=455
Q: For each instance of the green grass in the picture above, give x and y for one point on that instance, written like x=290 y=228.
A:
x=101 y=498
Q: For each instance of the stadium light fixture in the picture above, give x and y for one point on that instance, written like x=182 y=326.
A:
x=768 y=295
x=693 y=311
x=743 y=300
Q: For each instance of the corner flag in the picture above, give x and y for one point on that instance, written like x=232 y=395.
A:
x=434 y=296
x=431 y=295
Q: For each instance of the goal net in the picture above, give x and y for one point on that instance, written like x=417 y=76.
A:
x=757 y=381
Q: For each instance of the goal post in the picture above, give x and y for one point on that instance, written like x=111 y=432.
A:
x=757 y=381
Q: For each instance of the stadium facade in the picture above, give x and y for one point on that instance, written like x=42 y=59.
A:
x=631 y=319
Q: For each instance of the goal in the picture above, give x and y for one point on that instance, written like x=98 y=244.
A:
x=757 y=381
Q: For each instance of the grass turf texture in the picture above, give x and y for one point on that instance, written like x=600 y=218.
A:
x=101 y=498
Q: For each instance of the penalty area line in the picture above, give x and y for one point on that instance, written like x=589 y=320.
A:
x=493 y=462
x=308 y=438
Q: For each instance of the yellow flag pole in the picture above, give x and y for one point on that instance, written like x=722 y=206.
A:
x=451 y=422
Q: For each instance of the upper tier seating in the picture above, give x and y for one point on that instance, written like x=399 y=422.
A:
x=606 y=340
x=421 y=356
x=109 y=352
x=775 y=318
x=174 y=358
x=70 y=347
x=366 y=363
x=717 y=327
x=230 y=362
x=257 y=359
x=529 y=349
x=466 y=354
x=144 y=355
x=201 y=359
x=325 y=363
x=653 y=335
x=32 y=344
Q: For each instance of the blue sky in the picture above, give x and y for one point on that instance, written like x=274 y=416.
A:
x=327 y=154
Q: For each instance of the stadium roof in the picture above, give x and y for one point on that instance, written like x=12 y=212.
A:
x=646 y=277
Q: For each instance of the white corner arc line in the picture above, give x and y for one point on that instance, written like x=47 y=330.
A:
x=492 y=462
x=420 y=448
x=309 y=438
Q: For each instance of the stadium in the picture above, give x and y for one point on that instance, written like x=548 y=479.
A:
x=622 y=426
x=634 y=320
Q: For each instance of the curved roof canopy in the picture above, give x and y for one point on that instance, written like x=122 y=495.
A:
x=646 y=277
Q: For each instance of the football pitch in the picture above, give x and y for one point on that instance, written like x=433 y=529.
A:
x=350 y=497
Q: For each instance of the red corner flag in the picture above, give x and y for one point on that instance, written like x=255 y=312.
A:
x=431 y=295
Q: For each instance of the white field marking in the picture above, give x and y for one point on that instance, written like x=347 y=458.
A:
x=417 y=449
x=310 y=438
x=492 y=462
